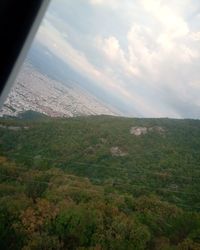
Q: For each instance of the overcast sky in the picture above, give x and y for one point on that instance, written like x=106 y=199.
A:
x=146 y=52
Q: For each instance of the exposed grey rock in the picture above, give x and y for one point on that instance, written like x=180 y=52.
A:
x=137 y=131
x=116 y=151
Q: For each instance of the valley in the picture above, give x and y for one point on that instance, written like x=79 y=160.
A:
x=38 y=92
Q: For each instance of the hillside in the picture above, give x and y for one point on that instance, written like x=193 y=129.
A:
x=138 y=178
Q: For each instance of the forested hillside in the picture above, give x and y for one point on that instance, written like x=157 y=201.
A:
x=99 y=182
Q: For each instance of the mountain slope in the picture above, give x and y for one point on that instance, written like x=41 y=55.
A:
x=134 y=155
x=37 y=92
x=99 y=182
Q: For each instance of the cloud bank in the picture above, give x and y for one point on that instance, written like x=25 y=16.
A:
x=146 y=52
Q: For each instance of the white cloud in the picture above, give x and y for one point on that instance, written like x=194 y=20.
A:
x=57 y=44
x=171 y=21
x=142 y=49
x=111 y=48
x=158 y=51
x=109 y=3
x=195 y=36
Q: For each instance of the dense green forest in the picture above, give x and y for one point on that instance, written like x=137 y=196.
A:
x=99 y=182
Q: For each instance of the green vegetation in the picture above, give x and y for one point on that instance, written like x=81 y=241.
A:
x=88 y=183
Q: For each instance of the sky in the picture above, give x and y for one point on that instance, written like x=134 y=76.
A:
x=143 y=55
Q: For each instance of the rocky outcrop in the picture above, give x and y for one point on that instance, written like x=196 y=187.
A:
x=116 y=151
x=137 y=131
